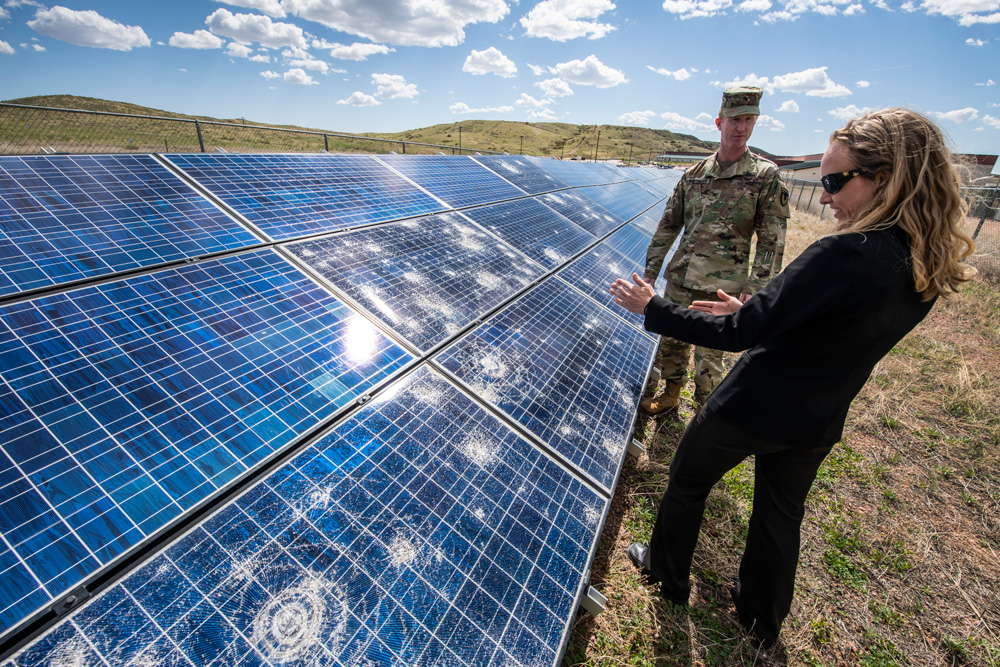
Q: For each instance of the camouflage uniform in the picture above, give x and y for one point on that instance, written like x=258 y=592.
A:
x=718 y=212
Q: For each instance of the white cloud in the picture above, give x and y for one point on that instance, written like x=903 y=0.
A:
x=677 y=122
x=200 y=39
x=977 y=42
x=849 y=112
x=526 y=101
x=463 y=108
x=706 y=118
x=393 y=85
x=359 y=99
x=690 y=9
x=269 y=7
x=862 y=84
x=536 y=70
x=555 y=88
x=682 y=74
x=268 y=74
x=542 y=115
x=357 y=51
x=992 y=122
x=789 y=106
x=589 y=72
x=400 y=22
x=311 y=64
x=37 y=47
x=768 y=123
x=751 y=79
x=299 y=77
x=637 y=117
x=754 y=6
x=489 y=61
x=972 y=19
x=988 y=82
x=6 y=49
x=259 y=58
x=562 y=20
x=237 y=50
x=812 y=82
x=854 y=9
x=87 y=28
x=958 y=115
x=254 y=28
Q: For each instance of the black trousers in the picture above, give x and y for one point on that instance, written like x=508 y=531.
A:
x=709 y=448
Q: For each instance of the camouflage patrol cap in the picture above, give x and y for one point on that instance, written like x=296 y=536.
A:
x=741 y=100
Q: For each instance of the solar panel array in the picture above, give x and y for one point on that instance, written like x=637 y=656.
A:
x=322 y=409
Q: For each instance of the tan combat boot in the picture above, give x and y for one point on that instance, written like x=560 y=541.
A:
x=668 y=400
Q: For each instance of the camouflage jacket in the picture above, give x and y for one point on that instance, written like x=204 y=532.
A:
x=718 y=213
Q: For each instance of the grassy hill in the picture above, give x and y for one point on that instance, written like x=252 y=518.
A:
x=549 y=139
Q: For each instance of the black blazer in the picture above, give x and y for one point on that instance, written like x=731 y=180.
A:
x=812 y=336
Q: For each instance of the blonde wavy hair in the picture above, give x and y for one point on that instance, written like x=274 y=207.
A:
x=921 y=194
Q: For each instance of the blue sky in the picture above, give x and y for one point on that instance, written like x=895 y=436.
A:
x=392 y=65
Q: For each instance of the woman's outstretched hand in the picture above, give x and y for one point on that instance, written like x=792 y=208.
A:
x=727 y=304
x=633 y=297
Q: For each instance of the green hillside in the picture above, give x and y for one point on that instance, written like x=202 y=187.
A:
x=550 y=139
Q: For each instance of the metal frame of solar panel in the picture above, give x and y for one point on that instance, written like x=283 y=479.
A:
x=106 y=371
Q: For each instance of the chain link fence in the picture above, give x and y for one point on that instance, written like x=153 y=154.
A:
x=31 y=130
x=982 y=221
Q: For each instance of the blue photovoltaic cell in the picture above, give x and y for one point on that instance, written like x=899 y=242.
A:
x=581 y=173
x=420 y=531
x=563 y=367
x=584 y=211
x=126 y=404
x=535 y=229
x=457 y=180
x=289 y=196
x=623 y=200
x=425 y=279
x=521 y=172
x=631 y=242
x=649 y=219
x=65 y=218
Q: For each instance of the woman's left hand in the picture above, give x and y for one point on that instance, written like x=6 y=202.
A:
x=635 y=297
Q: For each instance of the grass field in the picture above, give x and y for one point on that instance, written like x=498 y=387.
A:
x=900 y=558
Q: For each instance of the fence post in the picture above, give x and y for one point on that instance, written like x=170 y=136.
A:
x=811 y=195
x=404 y=147
x=201 y=142
x=326 y=143
x=986 y=210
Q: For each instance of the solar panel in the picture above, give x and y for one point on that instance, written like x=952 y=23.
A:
x=420 y=531
x=425 y=279
x=584 y=211
x=521 y=172
x=623 y=200
x=565 y=368
x=581 y=173
x=632 y=242
x=649 y=219
x=290 y=196
x=458 y=181
x=66 y=218
x=535 y=229
x=128 y=403
x=594 y=272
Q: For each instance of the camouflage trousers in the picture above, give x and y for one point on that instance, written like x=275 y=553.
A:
x=672 y=357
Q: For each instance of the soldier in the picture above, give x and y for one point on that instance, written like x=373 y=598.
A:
x=719 y=204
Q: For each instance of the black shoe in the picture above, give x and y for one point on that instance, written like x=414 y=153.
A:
x=638 y=553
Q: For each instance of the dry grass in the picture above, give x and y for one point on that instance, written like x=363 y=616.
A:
x=901 y=543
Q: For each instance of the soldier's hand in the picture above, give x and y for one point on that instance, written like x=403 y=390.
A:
x=727 y=304
x=633 y=297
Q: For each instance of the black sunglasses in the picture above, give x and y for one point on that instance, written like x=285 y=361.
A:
x=833 y=182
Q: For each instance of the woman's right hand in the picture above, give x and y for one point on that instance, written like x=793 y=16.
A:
x=728 y=304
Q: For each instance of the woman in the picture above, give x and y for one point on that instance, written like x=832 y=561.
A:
x=812 y=338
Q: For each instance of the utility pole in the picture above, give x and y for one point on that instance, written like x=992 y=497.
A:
x=629 y=154
x=598 y=145
x=522 y=145
x=460 y=137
